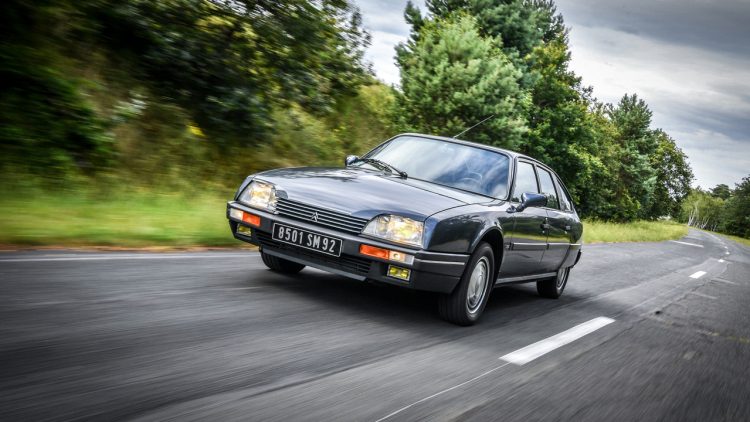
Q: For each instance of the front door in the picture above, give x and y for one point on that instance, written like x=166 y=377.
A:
x=528 y=238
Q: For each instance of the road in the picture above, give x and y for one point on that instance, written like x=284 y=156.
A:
x=644 y=331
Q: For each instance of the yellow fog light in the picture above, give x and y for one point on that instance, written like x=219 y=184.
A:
x=398 y=272
x=244 y=230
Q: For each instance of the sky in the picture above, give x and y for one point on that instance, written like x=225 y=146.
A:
x=689 y=59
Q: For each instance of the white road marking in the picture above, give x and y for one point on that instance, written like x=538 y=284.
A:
x=702 y=295
x=115 y=257
x=442 y=392
x=698 y=274
x=525 y=355
x=721 y=260
x=533 y=351
x=686 y=243
x=724 y=281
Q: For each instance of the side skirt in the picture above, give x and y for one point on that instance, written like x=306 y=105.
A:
x=524 y=278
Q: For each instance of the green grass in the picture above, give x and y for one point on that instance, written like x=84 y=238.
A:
x=135 y=220
x=740 y=240
x=638 y=231
x=130 y=220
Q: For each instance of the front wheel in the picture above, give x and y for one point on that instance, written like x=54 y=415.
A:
x=281 y=265
x=465 y=305
x=553 y=287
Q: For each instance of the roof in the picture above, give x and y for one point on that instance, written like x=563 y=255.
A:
x=469 y=143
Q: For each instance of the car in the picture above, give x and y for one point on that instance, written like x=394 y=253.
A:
x=422 y=212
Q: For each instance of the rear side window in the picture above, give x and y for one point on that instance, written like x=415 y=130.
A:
x=566 y=204
x=548 y=188
x=525 y=180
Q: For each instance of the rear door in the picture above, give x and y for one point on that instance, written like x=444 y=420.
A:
x=528 y=237
x=557 y=224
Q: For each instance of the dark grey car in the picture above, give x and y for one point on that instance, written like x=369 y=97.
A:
x=422 y=212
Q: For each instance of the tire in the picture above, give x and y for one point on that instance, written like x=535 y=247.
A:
x=552 y=288
x=281 y=265
x=465 y=305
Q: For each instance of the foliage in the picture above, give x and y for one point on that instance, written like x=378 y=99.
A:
x=673 y=177
x=736 y=213
x=452 y=78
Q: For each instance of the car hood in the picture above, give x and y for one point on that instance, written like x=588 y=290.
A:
x=365 y=193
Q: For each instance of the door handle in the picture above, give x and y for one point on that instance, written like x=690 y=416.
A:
x=567 y=228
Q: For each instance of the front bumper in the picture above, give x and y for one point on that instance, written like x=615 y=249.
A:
x=430 y=271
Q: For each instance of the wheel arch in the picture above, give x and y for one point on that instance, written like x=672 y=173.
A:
x=495 y=238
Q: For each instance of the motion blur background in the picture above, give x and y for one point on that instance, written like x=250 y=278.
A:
x=130 y=122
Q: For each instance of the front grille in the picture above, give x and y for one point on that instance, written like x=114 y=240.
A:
x=326 y=218
x=348 y=263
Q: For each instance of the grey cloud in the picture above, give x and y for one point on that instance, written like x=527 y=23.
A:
x=715 y=25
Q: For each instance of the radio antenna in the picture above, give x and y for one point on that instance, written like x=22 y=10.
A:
x=466 y=130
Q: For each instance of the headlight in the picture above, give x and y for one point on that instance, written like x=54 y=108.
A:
x=260 y=195
x=396 y=229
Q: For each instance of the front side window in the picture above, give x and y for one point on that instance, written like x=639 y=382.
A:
x=451 y=164
x=525 y=181
x=548 y=188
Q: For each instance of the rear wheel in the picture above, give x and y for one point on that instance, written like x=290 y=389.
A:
x=281 y=265
x=553 y=287
x=465 y=305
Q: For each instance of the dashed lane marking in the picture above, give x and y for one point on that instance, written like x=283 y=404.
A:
x=698 y=274
x=522 y=356
x=540 y=348
x=686 y=243
x=702 y=295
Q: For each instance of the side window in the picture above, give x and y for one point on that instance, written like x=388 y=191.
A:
x=525 y=180
x=565 y=202
x=548 y=188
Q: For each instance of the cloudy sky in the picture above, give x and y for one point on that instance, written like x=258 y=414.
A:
x=689 y=59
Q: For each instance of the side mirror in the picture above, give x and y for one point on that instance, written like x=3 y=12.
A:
x=530 y=199
x=350 y=159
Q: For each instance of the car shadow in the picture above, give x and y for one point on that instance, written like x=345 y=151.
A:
x=407 y=308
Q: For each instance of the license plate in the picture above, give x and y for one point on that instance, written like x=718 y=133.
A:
x=306 y=239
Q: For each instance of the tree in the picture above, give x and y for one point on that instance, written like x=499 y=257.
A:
x=721 y=191
x=452 y=78
x=673 y=177
x=231 y=62
x=636 y=142
x=736 y=214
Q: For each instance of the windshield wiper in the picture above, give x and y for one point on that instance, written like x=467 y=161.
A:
x=384 y=166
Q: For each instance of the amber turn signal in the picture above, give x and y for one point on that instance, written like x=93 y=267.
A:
x=245 y=217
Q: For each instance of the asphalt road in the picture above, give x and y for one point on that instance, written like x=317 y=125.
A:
x=216 y=336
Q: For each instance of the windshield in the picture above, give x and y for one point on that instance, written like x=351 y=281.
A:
x=450 y=164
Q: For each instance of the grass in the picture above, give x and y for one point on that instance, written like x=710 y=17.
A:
x=740 y=240
x=136 y=220
x=638 y=231
x=130 y=220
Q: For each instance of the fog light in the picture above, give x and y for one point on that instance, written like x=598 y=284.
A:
x=244 y=230
x=398 y=272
